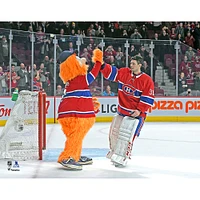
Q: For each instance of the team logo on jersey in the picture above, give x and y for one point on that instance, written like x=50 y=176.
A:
x=128 y=89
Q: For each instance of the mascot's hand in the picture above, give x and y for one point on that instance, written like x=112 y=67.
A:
x=96 y=104
x=97 y=56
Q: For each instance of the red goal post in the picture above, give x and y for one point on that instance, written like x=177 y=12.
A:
x=41 y=122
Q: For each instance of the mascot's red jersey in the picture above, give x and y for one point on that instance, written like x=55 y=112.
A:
x=77 y=98
x=134 y=91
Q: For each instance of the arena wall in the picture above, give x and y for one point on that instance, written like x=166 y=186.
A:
x=165 y=109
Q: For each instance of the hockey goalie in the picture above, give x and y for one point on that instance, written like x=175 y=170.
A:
x=135 y=96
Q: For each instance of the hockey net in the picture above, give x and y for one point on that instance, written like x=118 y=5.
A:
x=24 y=134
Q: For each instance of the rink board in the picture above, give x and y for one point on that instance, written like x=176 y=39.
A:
x=165 y=109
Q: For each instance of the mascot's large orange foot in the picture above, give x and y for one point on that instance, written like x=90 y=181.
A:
x=71 y=164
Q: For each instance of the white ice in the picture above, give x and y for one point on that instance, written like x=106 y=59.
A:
x=168 y=150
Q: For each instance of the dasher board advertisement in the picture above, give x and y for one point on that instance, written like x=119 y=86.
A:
x=164 y=109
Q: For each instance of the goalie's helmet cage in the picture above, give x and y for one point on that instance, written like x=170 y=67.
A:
x=21 y=137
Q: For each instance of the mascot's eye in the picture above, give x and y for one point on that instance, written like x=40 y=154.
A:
x=86 y=63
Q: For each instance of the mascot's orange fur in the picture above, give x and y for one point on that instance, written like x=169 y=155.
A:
x=77 y=109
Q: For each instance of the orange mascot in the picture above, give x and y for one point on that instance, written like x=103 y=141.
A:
x=77 y=109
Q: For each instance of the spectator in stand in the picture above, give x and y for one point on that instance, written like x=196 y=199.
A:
x=157 y=26
x=189 y=92
x=188 y=28
x=110 y=30
x=189 y=40
x=173 y=35
x=182 y=83
x=129 y=30
x=97 y=28
x=145 y=68
x=184 y=65
x=157 y=46
x=52 y=27
x=92 y=42
x=80 y=34
x=133 y=51
x=50 y=69
x=44 y=26
x=196 y=64
x=73 y=33
x=59 y=91
x=37 y=85
x=192 y=25
x=190 y=54
x=166 y=29
x=108 y=92
x=5 y=50
x=35 y=26
x=179 y=38
x=197 y=81
x=13 y=76
x=109 y=51
x=74 y=27
x=190 y=74
x=119 y=31
x=117 y=24
x=164 y=35
x=43 y=76
x=46 y=62
x=163 y=48
x=125 y=34
x=90 y=49
x=40 y=37
x=95 y=92
x=144 y=32
x=24 y=79
x=62 y=40
x=3 y=81
x=66 y=27
x=86 y=55
x=19 y=26
x=73 y=37
x=119 y=57
x=29 y=70
x=71 y=48
x=50 y=45
x=197 y=36
x=28 y=41
x=155 y=36
x=143 y=52
x=47 y=47
x=34 y=70
x=136 y=35
x=101 y=34
x=91 y=31
x=180 y=30
x=112 y=61
x=185 y=24
x=58 y=51
x=1 y=55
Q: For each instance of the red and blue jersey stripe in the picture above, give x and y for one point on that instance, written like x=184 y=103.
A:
x=134 y=91
x=77 y=99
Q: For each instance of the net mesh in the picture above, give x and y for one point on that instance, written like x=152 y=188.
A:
x=19 y=138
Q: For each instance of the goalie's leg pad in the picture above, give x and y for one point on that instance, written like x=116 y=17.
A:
x=129 y=129
x=114 y=133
